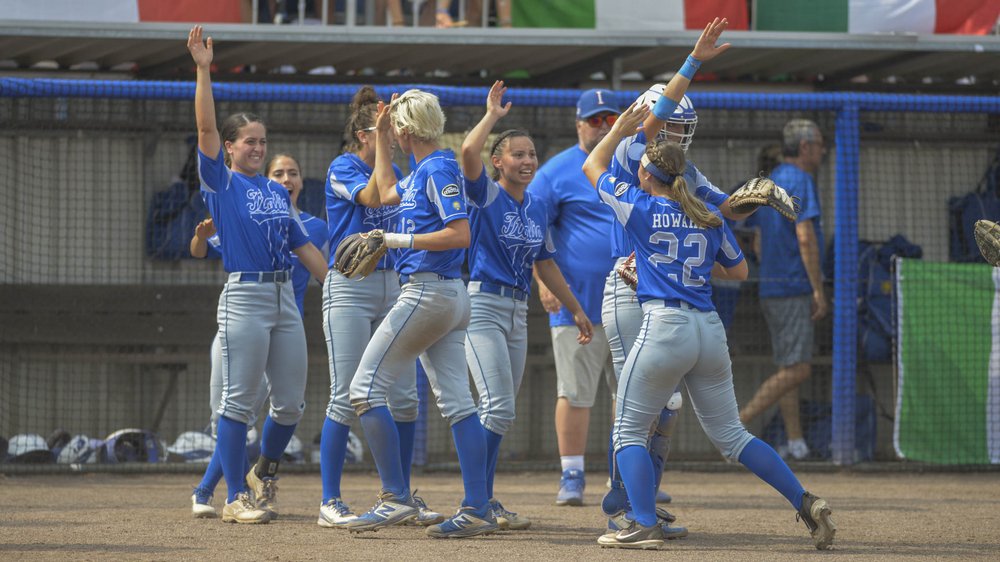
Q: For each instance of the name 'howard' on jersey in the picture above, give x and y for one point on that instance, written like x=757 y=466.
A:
x=673 y=255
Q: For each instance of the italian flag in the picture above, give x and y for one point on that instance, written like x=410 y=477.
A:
x=948 y=362
x=968 y=17
x=629 y=15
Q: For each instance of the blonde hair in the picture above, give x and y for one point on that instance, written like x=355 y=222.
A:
x=419 y=114
x=668 y=157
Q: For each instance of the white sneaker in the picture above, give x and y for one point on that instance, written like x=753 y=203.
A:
x=335 y=514
x=798 y=449
x=201 y=505
x=243 y=510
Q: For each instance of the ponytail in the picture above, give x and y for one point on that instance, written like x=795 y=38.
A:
x=668 y=157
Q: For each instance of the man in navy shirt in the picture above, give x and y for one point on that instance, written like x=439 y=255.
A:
x=791 y=284
x=581 y=232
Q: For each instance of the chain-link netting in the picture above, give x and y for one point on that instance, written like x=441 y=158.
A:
x=107 y=322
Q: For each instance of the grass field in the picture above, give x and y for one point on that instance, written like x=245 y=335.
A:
x=731 y=516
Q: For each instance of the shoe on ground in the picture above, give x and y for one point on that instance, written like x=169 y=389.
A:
x=243 y=510
x=797 y=449
x=334 y=514
x=389 y=509
x=663 y=497
x=508 y=520
x=619 y=521
x=571 y=487
x=201 y=504
x=425 y=516
x=265 y=492
x=467 y=522
x=634 y=536
x=815 y=513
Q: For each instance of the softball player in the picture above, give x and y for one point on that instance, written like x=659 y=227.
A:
x=509 y=238
x=353 y=309
x=285 y=170
x=258 y=326
x=673 y=117
x=429 y=319
x=679 y=242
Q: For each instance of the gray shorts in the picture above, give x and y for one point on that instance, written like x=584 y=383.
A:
x=789 y=319
x=580 y=368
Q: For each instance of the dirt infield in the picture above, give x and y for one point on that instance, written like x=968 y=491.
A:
x=731 y=516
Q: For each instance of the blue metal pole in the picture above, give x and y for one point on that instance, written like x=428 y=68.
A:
x=845 y=313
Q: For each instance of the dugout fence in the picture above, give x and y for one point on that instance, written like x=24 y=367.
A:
x=104 y=329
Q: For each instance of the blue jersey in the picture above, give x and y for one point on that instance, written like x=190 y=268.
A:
x=300 y=274
x=431 y=196
x=580 y=227
x=782 y=272
x=625 y=167
x=253 y=215
x=673 y=255
x=348 y=175
x=507 y=236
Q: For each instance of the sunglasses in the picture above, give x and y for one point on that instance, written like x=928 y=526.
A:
x=366 y=129
x=595 y=121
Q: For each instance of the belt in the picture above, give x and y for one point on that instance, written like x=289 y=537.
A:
x=671 y=303
x=422 y=276
x=502 y=290
x=260 y=276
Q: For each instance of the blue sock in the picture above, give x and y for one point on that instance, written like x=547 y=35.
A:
x=383 y=442
x=213 y=472
x=275 y=438
x=407 y=431
x=231 y=443
x=332 y=451
x=637 y=472
x=761 y=459
x=470 y=443
x=492 y=454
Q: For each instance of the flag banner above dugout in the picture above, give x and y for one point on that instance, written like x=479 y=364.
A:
x=948 y=362
x=964 y=17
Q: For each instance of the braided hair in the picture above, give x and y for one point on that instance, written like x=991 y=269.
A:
x=668 y=157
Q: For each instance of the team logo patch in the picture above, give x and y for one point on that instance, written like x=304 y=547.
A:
x=456 y=205
x=450 y=190
x=620 y=189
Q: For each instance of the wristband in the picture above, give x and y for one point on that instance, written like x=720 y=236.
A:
x=691 y=66
x=394 y=240
x=664 y=108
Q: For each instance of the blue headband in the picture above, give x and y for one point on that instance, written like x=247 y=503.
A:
x=656 y=172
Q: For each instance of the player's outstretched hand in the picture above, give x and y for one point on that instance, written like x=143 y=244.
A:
x=383 y=123
x=585 y=327
x=630 y=121
x=494 y=101
x=201 y=51
x=205 y=229
x=705 y=49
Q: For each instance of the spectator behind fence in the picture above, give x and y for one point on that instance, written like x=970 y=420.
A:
x=444 y=15
x=726 y=292
x=791 y=283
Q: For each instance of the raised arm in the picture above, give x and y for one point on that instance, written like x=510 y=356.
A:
x=704 y=51
x=626 y=125
x=384 y=176
x=472 y=147
x=204 y=103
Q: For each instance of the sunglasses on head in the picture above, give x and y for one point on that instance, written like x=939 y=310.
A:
x=595 y=121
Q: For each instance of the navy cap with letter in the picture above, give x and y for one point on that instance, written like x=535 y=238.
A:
x=596 y=101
